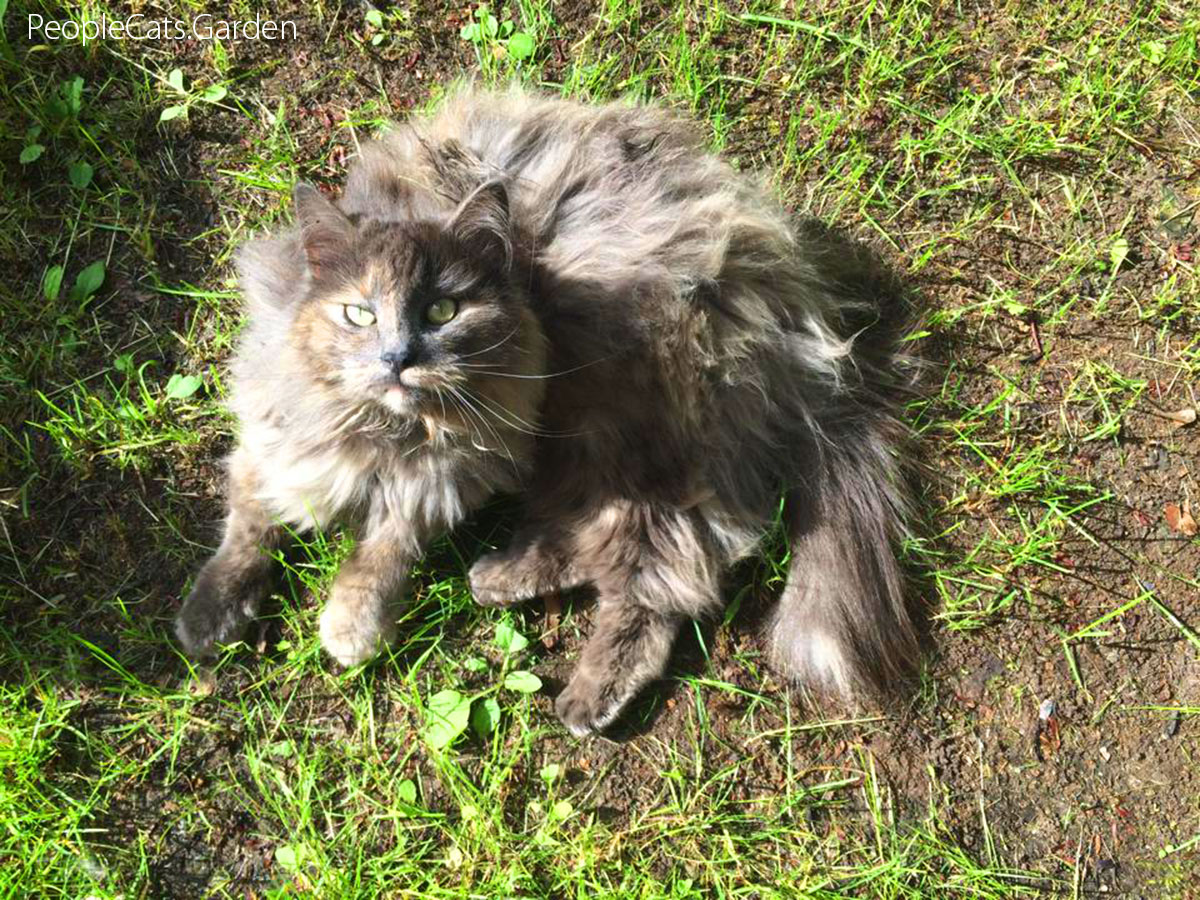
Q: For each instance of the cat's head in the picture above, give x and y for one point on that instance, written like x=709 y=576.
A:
x=420 y=320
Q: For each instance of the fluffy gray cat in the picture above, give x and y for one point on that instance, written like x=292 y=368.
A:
x=580 y=305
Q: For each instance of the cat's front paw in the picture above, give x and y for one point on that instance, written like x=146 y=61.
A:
x=588 y=705
x=355 y=626
x=216 y=611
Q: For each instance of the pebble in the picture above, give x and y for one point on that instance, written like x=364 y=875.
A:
x=1171 y=728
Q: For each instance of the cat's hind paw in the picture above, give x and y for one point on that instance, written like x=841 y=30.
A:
x=628 y=649
x=587 y=706
x=522 y=572
x=496 y=581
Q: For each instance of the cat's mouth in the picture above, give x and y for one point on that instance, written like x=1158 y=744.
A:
x=399 y=400
x=412 y=389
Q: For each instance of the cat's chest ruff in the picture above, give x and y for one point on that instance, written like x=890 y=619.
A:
x=310 y=485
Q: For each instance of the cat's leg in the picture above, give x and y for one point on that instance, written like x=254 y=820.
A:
x=629 y=647
x=359 y=618
x=534 y=564
x=229 y=588
x=658 y=573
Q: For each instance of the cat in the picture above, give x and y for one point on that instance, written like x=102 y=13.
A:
x=580 y=305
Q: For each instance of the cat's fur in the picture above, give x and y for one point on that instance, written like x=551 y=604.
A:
x=647 y=349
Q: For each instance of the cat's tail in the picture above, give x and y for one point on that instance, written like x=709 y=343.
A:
x=845 y=624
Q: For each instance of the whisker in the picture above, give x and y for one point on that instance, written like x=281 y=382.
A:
x=474 y=434
x=530 y=428
x=503 y=443
x=498 y=343
x=484 y=367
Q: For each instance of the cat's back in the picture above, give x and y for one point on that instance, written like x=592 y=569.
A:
x=617 y=191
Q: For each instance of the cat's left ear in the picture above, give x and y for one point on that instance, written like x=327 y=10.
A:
x=482 y=223
x=325 y=232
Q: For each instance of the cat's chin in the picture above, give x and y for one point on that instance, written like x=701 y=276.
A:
x=400 y=401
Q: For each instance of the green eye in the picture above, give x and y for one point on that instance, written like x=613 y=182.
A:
x=439 y=312
x=358 y=316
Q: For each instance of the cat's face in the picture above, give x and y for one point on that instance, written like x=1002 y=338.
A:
x=418 y=319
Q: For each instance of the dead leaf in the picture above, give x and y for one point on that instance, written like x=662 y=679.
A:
x=553 y=618
x=1180 y=519
x=1049 y=739
x=1187 y=525
x=1185 y=416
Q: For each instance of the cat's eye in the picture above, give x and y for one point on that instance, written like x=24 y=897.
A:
x=439 y=312
x=358 y=316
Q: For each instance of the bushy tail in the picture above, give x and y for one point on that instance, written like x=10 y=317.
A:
x=844 y=624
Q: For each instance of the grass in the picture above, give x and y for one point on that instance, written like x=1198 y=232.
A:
x=1029 y=167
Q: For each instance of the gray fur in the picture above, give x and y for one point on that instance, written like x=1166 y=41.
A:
x=648 y=350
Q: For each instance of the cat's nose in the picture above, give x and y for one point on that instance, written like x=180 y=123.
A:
x=398 y=359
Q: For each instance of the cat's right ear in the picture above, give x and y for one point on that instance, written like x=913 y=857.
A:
x=325 y=232
x=481 y=222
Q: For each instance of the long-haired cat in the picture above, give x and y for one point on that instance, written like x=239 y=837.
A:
x=580 y=305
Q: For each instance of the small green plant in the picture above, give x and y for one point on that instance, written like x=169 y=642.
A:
x=66 y=316
x=52 y=283
x=387 y=30
x=449 y=712
x=32 y=150
x=57 y=113
x=214 y=93
x=180 y=387
x=67 y=104
x=87 y=282
x=494 y=38
x=1153 y=52
x=379 y=30
x=79 y=173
